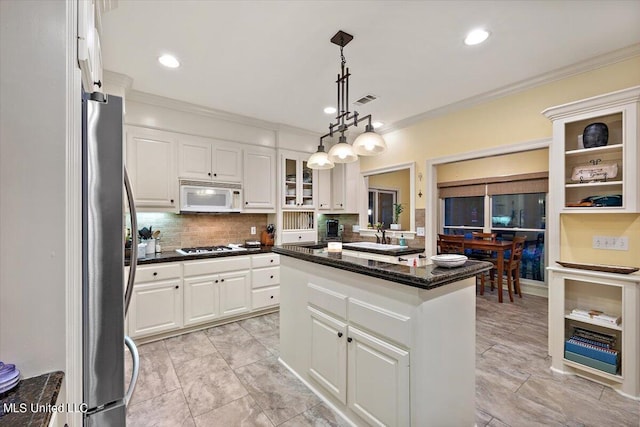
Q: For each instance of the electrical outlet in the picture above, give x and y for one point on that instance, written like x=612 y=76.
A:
x=611 y=243
x=420 y=231
x=253 y=230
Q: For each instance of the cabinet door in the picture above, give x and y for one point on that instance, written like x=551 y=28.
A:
x=194 y=159
x=89 y=54
x=201 y=299
x=155 y=307
x=328 y=364
x=378 y=380
x=227 y=163
x=235 y=293
x=259 y=179
x=338 y=186
x=151 y=165
x=324 y=189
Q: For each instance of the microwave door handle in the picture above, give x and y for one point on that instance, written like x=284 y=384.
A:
x=134 y=243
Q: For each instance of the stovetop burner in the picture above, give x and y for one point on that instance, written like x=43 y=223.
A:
x=208 y=250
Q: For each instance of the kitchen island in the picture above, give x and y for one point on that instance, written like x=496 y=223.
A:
x=384 y=344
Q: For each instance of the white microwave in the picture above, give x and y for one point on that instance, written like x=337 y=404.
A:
x=204 y=196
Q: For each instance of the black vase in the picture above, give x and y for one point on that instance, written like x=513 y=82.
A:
x=595 y=135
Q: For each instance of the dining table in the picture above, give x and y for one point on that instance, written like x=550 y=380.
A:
x=498 y=246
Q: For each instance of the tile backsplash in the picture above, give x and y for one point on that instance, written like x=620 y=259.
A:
x=188 y=230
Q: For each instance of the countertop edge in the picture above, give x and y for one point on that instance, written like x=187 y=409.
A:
x=392 y=272
x=41 y=391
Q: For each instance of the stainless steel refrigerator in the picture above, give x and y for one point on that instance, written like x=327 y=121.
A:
x=105 y=296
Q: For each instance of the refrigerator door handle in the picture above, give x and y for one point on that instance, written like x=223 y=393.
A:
x=135 y=370
x=134 y=243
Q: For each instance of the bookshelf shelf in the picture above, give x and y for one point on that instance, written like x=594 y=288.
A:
x=594 y=322
x=611 y=293
x=599 y=373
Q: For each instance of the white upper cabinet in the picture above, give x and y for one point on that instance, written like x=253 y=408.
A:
x=591 y=172
x=337 y=188
x=151 y=165
x=206 y=159
x=297 y=181
x=260 y=179
x=89 y=54
x=324 y=189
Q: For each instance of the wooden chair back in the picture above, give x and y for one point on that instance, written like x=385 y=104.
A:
x=479 y=253
x=450 y=244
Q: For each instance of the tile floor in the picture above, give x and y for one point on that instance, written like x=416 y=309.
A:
x=229 y=376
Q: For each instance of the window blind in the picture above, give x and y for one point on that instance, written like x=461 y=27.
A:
x=513 y=184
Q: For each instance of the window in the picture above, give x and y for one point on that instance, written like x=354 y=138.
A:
x=516 y=206
x=463 y=214
x=381 y=206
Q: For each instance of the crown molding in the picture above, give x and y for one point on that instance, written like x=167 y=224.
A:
x=594 y=103
x=117 y=79
x=558 y=74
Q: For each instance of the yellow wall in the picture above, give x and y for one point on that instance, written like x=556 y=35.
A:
x=395 y=180
x=576 y=238
x=515 y=119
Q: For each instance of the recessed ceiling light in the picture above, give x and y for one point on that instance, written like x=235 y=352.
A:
x=476 y=37
x=376 y=125
x=169 y=61
x=329 y=110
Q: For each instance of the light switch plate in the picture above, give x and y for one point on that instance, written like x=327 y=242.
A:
x=611 y=243
x=420 y=231
x=253 y=230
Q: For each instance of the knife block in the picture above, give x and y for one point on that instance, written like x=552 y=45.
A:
x=266 y=239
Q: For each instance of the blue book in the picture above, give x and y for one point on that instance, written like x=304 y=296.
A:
x=601 y=354
x=587 y=361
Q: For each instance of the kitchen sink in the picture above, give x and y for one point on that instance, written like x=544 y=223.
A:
x=371 y=245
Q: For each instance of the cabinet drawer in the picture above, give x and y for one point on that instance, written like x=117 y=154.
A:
x=199 y=268
x=265 y=260
x=265 y=277
x=265 y=297
x=158 y=272
x=328 y=300
x=298 y=236
x=381 y=321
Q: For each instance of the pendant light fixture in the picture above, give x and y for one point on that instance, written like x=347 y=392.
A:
x=367 y=144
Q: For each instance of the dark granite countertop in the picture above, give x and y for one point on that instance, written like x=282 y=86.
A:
x=173 y=256
x=392 y=252
x=33 y=400
x=426 y=276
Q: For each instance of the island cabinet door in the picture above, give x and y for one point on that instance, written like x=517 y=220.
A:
x=328 y=365
x=378 y=380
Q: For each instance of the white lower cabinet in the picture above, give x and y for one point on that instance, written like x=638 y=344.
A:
x=365 y=372
x=169 y=296
x=214 y=290
x=378 y=380
x=155 y=307
x=265 y=281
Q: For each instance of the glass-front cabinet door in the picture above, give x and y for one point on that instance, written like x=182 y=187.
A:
x=298 y=181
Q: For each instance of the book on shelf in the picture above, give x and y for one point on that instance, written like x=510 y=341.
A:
x=604 y=340
x=592 y=363
x=605 y=355
x=596 y=315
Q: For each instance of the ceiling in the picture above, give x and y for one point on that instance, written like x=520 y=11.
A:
x=273 y=60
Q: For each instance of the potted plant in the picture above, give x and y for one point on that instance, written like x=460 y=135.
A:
x=397 y=210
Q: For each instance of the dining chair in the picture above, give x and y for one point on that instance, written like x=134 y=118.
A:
x=450 y=244
x=483 y=255
x=511 y=268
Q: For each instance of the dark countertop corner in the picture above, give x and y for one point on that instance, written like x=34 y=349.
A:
x=425 y=276
x=39 y=393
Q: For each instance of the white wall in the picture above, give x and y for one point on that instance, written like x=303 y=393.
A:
x=32 y=184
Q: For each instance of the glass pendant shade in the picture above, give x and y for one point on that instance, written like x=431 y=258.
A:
x=369 y=143
x=342 y=152
x=320 y=160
